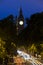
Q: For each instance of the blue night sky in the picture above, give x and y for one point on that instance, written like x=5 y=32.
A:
x=29 y=7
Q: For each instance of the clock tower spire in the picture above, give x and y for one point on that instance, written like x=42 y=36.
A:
x=20 y=21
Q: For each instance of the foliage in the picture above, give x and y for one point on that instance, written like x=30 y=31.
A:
x=11 y=48
x=41 y=55
x=8 y=28
x=2 y=49
x=22 y=48
x=32 y=49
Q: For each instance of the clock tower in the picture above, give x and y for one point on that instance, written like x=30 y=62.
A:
x=20 y=22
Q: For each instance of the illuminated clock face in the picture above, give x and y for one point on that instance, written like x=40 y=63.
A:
x=21 y=22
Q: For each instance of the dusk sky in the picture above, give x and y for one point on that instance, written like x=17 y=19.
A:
x=29 y=7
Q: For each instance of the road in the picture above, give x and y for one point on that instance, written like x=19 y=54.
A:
x=30 y=59
x=34 y=61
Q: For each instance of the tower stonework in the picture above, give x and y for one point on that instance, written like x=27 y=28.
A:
x=20 y=22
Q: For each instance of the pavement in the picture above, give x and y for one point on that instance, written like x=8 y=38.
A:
x=35 y=61
x=29 y=59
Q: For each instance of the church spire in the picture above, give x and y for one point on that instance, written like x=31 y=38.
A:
x=20 y=11
x=20 y=22
x=21 y=14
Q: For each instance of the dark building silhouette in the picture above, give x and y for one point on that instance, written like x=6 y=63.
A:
x=20 y=22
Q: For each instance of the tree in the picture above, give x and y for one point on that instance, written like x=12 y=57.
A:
x=32 y=49
x=2 y=49
x=36 y=26
x=8 y=28
x=11 y=48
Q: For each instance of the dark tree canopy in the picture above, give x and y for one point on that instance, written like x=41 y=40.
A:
x=33 y=31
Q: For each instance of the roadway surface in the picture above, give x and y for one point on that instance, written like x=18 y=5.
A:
x=31 y=60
